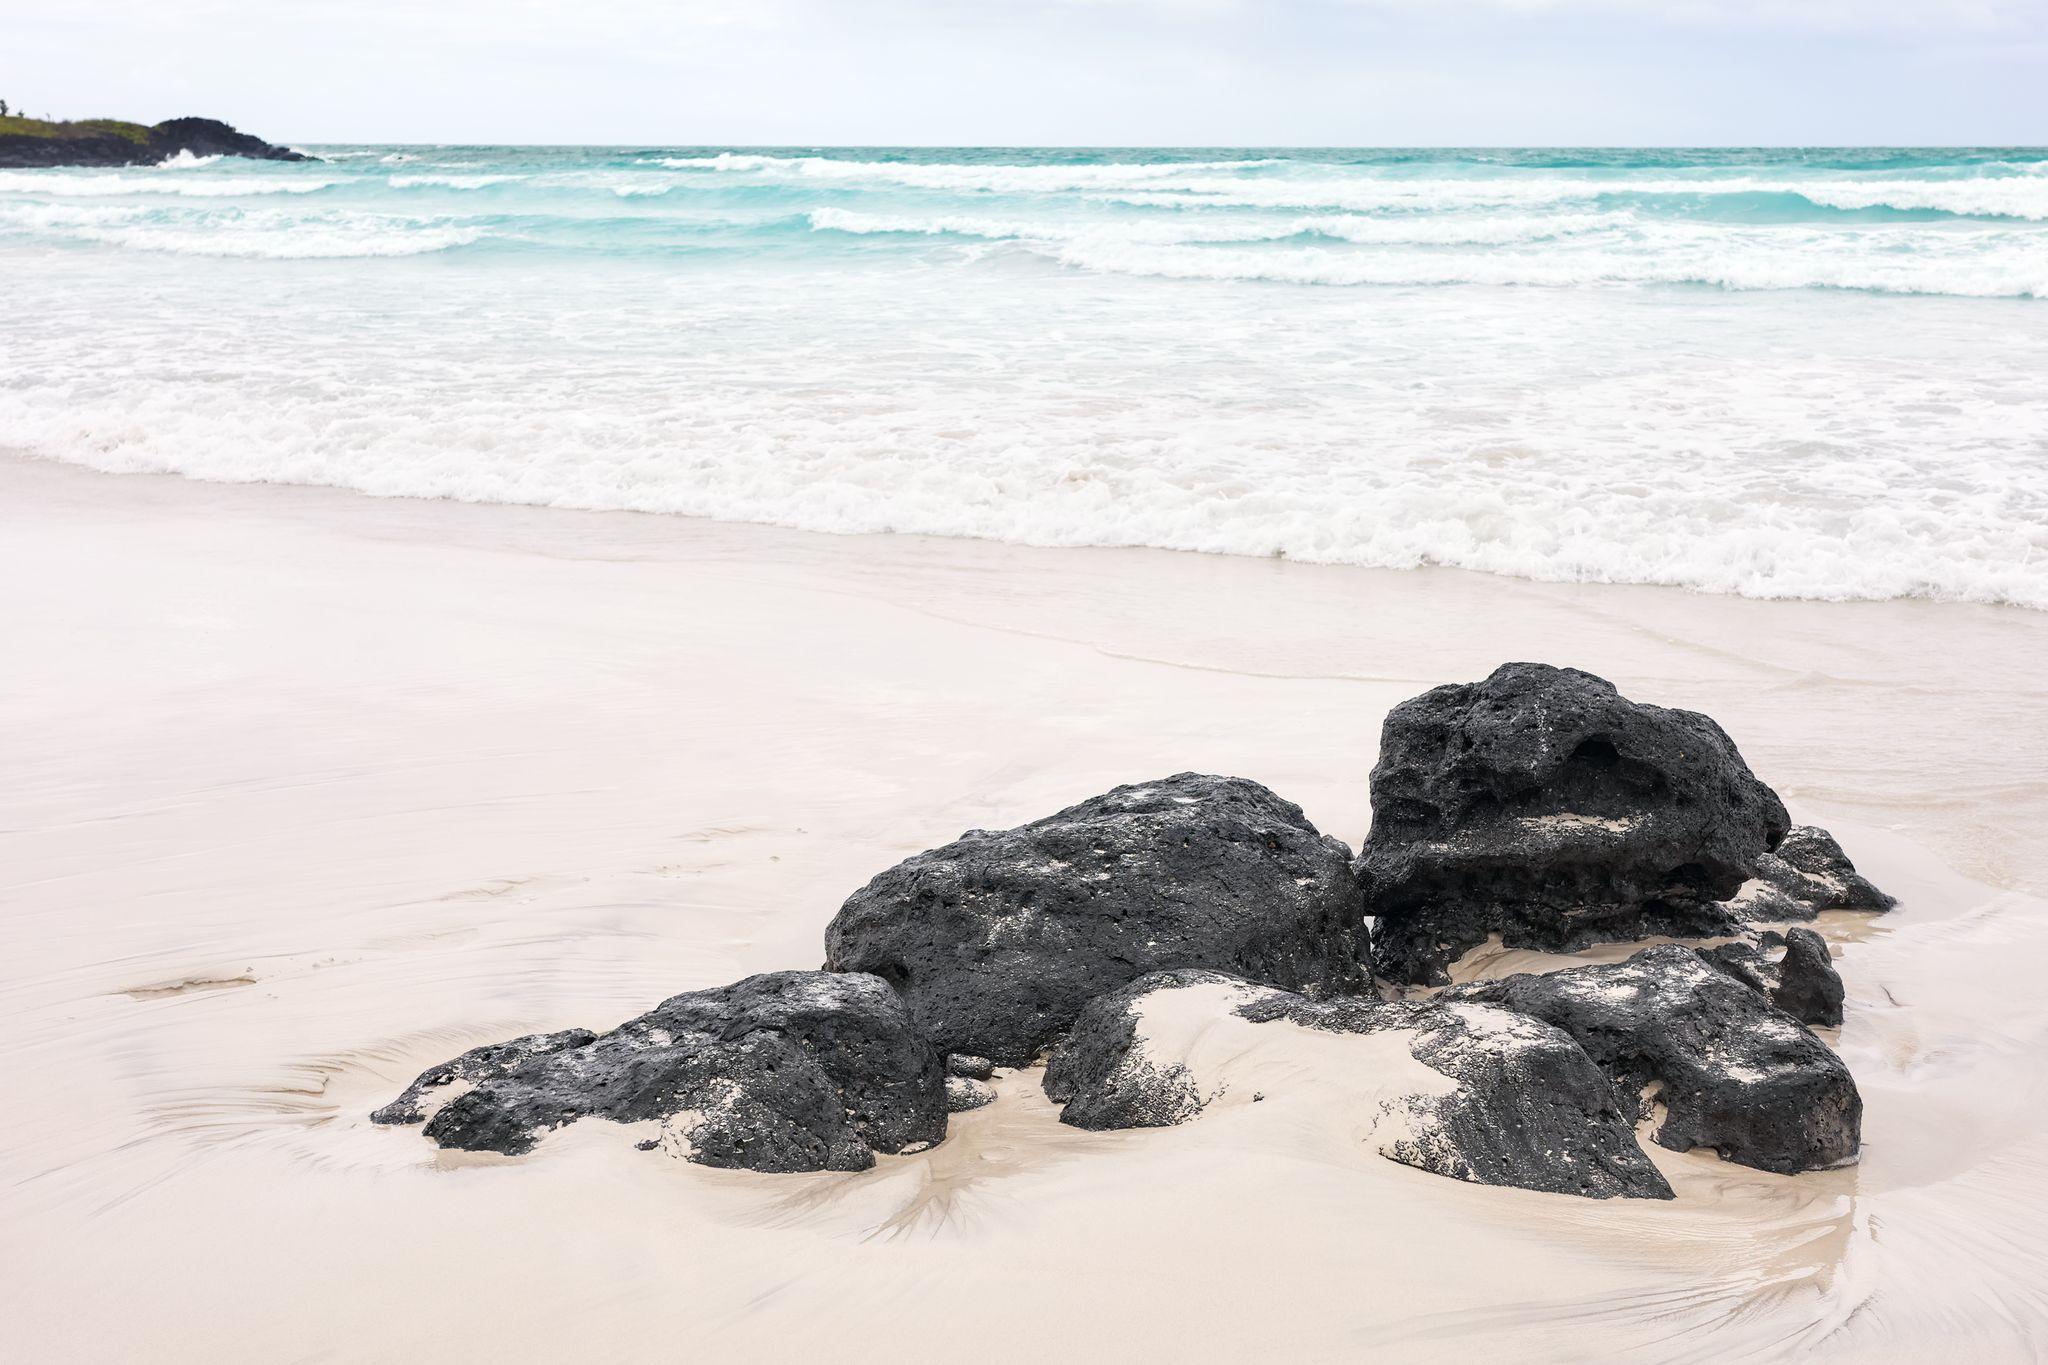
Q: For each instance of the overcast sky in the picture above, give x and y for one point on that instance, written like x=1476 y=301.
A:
x=1100 y=72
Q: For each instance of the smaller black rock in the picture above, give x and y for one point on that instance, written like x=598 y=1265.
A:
x=1733 y=1072
x=964 y=1093
x=787 y=1071
x=436 y=1085
x=1807 y=874
x=1529 y=1108
x=1803 y=982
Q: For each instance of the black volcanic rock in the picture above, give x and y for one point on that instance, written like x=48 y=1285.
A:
x=1733 y=1072
x=436 y=1085
x=998 y=939
x=1803 y=982
x=1808 y=873
x=99 y=143
x=1532 y=1110
x=787 y=1071
x=1528 y=1109
x=1835 y=883
x=1806 y=984
x=1543 y=806
x=1106 y=1077
x=211 y=137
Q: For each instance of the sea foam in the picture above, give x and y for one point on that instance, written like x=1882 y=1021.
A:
x=1771 y=373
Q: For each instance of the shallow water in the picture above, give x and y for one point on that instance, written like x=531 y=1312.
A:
x=1770 y=373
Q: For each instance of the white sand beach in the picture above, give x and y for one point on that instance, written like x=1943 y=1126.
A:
x=305 y=790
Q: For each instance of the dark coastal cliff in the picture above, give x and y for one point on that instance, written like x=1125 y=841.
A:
x=29 y=143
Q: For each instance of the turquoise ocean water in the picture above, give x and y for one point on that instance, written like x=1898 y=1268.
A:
x=1781 y=373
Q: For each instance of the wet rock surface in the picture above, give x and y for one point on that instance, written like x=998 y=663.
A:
x=1802 y=982
x=1506 y=1100
x=1733 y=1072
x=997 y=940
x=786 y=1071
x=1542 y=805
x=1807 y=874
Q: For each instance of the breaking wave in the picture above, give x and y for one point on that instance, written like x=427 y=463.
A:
x=1486 y=231
x=1761 y=267
x=255 y=235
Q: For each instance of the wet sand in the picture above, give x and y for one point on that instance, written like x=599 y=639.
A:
x=304 y=791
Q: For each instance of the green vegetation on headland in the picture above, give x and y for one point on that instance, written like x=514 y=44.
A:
x=14 y=125
x=35 y=142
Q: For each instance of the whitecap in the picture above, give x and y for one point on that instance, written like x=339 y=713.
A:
x=1837 y=265
x=451 y=182
x=68 y=185
x=1418 y=231
x=261 y=235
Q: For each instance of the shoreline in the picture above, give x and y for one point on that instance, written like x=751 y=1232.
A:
x=1112 y=601
x=313 y=789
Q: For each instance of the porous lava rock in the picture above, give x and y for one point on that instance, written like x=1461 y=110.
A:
x=1808 y=873
x=1475 y=1093
x=1802 y=981
x=1543 y=806
x=964 y=1093
x=437 y=1085
x=786 y=1071
x=1732 y=1071
x=998 y=939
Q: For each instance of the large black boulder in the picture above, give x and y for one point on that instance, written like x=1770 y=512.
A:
x=1544 y=806
x=1512 y=1101
x=1733 y=1072
x=786 y=1071
x=998 y=939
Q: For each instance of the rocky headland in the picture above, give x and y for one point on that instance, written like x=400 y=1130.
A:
x=28 y=144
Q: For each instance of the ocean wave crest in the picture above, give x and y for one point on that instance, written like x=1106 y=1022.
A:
x=66 y=185
x=1989 y=197
x=1494 y=231
x=2016 y=275
x=991 y=177
x=452 y=182
x=2022 y=195
x=255 y=235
